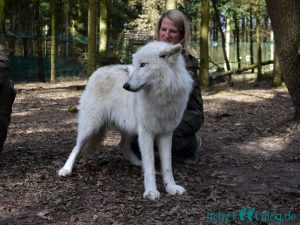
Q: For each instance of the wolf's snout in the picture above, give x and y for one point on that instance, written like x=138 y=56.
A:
x=126 y=86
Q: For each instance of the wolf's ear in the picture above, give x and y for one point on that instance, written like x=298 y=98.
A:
x=171 y=53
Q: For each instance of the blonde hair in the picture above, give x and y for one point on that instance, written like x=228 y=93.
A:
x=181 y=23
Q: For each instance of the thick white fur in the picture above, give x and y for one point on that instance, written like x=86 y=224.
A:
x=158 y=87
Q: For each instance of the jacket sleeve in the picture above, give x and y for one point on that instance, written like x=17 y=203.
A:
x=193 y=116
x=7 y=97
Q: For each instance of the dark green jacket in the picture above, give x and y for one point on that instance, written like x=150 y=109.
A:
x=193 y=116
x=7 y=96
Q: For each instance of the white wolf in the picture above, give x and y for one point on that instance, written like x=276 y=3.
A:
x=157 y=90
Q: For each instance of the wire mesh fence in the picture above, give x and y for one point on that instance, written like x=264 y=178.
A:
x=71 y=61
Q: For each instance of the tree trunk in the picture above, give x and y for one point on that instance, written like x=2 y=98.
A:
x=251 y=39
x=258 y=47
x=3 y=53
x=171 y=4
x=25 y=46
x=244 y=30
x=237 y=35
x=277 y=77
x=218 y=21
x=91 y=37
x=204 y=29
x=39 y=48
x=103 y=28
x=2 y=17
x=214 y=30
x=287 y=40
x=227 y=41
x=67 y=27
x=53 y=41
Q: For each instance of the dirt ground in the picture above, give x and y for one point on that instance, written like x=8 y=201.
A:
x=250 y=162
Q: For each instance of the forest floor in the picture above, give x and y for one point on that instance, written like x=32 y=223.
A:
x=249 y=163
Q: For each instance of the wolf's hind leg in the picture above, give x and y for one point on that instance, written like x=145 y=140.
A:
x=93 y=143
x=84 y=140
x=68 y=167
x=125 y=145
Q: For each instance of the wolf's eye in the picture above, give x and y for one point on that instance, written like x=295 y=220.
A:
x=143 y=64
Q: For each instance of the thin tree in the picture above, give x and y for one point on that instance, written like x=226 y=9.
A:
x=53 y=41
x=237 y=38
x=91 y=37
x=204 y=54
x=287 y=40
x=228 y=38
x=103 y=28
x=3 y=55
x=39 y=48
x=2 y=16
x=277 y=75
x=251 y=38
x=67 y=26
x=219 y=25
x=258 y=42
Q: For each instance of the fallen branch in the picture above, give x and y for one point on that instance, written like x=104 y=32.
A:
x=217 y=74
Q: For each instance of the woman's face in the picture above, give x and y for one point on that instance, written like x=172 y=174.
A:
x=168 y=31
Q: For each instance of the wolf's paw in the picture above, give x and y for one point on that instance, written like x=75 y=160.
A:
x=153 y=195
x=132 y=158
x=64 y=172
x=136 y=162
x=175 y=189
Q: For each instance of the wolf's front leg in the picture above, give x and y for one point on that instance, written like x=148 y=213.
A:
x=164 y=143
x=146 y=144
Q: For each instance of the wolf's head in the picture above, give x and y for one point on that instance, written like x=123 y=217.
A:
x=151 y=61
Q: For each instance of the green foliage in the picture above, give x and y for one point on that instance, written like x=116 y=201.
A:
x=122 y=15
x=78 y=16
x=191 y=8
x=148 y=15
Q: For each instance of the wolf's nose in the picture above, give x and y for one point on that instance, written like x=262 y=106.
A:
x=126 y=86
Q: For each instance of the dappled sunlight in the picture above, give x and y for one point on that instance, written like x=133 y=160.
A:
x=33 y=112
x=112 y=138
x=229 y=96
x=41 y=85
x=266 y=146
x=248 y=122
x=41 y=126
x=59 y=95
x=247 y=96
x=24 y=113
x=250 y=109
x=36 y=130
x=43 y=97
x=247 y=150
x=249 y=161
